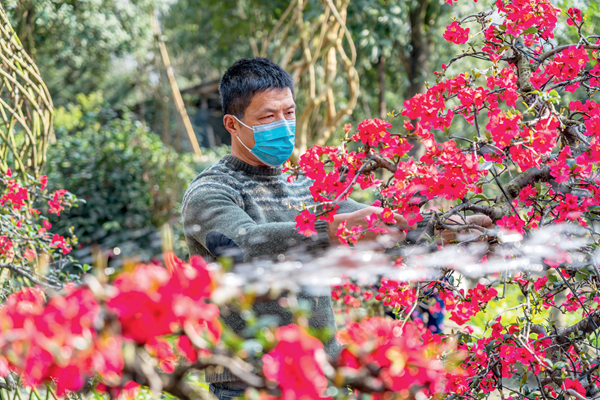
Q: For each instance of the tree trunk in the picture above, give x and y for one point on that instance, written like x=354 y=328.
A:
x=420 y=50
x=381 y=73
x=418 y=63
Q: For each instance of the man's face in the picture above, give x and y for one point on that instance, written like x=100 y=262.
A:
x=266 y=107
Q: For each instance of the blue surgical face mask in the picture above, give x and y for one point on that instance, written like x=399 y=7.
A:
x=274 y=142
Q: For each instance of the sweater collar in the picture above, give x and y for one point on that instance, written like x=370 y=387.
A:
x=237 y=164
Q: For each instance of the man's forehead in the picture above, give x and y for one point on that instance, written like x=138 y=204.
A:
x=272 y=100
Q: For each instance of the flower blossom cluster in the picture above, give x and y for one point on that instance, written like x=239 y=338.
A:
x=404 y=356
x=61 y=339
x=26 y=224
x=89 y=332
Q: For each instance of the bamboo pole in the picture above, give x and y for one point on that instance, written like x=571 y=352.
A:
x=174 y=88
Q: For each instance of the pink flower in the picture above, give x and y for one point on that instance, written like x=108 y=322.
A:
x=455 y=34
x=574 y=385
x=295 y=364
x=512 y=223
x=540 y=283
x=574 y=16
x=504 y=128
x=43 y=182
x=372 y=132
x=29 y=254
x=305 y=223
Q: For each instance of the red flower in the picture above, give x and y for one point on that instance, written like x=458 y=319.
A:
x=412 y=215
x=21 y=306
x=68 y=379
x=574 y=16
x=593 y=125
x=372 y=132
x=559 y=168
x=574 y=385
x=56 y=202
x=138 y=303
x=58 y=242
x=161 y=349
x=568 y=64
x=295 y=364
x=162 y=303
x=540 y=283
x=512 y=223
x=526 y=194
x=544 y=136
x=43 y=182
x=185 y=347
x=398 y=351
x=457 y=381
x=504 y=128
x=525 y=157
x=107 y=359
x=6 y=245
x=305 y=223
x=455 y=34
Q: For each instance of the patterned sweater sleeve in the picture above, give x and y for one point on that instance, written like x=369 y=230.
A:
x=219 y=208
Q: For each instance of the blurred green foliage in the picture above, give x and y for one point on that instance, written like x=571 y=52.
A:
x=128 y=179
x=77 y=44
x=88 y=45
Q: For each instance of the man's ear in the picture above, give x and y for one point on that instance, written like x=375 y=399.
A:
x=231 y=125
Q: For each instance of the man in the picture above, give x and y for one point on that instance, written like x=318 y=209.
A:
x=245 y=199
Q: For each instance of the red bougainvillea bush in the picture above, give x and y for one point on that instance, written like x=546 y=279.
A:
x=153 y=325
x=529 y=162
x=29 y=252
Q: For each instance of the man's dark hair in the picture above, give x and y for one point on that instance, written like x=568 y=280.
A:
x=249 y=76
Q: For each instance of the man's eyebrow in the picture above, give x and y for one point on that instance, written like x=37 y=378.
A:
x=272 y=110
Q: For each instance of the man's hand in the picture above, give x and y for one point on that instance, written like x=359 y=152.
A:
x=448 y=236
x=359 y=218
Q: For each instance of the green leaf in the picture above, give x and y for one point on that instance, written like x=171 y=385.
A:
x=530 y=31
x=480 y=196
x=523 y=380
x=559 y=365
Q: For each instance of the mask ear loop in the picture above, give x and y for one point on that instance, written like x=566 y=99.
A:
x=243 y=144
x=236 y=118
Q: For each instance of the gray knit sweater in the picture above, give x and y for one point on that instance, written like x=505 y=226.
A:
x=252 y=206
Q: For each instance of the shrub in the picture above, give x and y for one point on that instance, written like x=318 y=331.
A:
x=30 y=253
x=530 y=163
x=129 y=181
